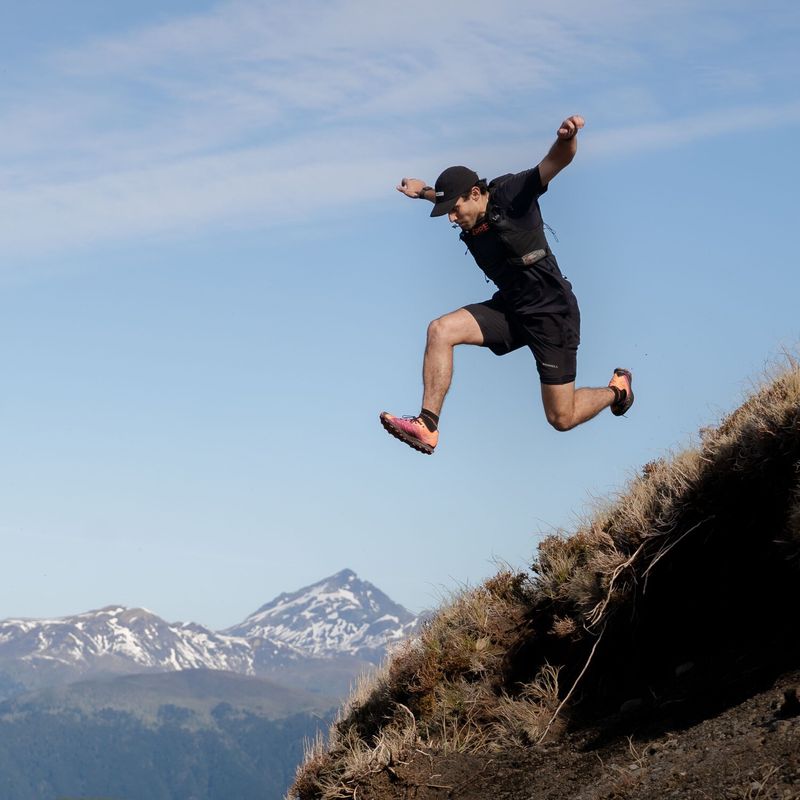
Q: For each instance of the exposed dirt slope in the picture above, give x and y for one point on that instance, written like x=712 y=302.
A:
x=749 y=751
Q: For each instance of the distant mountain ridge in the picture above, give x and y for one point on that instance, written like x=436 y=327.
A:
x=119 y=638
x=340 y=617
x=341 y=614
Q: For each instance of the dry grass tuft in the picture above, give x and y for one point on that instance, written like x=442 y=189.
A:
x=564 y=627
x=625 y=782
x=766 y=786
x=526 y=717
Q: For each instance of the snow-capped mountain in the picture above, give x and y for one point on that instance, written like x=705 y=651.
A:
x=116 y=638
x=341 y=614
x=341 y=617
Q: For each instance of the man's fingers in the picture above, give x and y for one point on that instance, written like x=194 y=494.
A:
x=570 y=126
x=411 y=187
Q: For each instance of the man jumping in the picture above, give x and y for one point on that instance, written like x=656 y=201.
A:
x=534 y=306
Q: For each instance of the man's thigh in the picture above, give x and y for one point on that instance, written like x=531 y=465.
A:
x=459 y=327
x=498 y=330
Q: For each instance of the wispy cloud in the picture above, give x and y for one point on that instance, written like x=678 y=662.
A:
x=197 y=120
x=678 y=131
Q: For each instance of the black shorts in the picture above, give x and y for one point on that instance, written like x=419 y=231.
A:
x=553 y=338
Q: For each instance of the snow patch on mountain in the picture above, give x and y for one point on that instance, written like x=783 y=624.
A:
x=340 y=614
x=117 y=635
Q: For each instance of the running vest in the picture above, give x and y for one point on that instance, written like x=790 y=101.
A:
x=502 y=246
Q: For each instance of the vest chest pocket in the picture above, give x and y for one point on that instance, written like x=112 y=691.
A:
x=523 y=246
x=528 y=259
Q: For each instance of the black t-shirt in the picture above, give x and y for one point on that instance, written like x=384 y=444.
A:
x=519 y=195
x=535 y=289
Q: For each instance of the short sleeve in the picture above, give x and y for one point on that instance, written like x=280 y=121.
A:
x=519 y=192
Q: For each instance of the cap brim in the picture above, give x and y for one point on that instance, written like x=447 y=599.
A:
x=444 y=207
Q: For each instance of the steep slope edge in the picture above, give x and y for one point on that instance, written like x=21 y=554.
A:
x=667 y=607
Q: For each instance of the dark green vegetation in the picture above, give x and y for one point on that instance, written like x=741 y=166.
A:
x=201 y=735
x=197 y=691
x=667 y=607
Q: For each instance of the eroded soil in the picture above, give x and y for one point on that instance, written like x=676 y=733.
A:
x=750 y=751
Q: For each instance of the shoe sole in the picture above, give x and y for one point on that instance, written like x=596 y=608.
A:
x=626 y=406
x=404 y=437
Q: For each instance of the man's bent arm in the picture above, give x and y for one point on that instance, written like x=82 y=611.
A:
x=563 y=150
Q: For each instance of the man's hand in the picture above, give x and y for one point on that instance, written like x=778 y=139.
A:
x=563 y=150
x=411 y=187
x=570 y=126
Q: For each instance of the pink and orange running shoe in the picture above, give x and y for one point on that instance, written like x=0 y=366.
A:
x=411 y=430
x=622 y=380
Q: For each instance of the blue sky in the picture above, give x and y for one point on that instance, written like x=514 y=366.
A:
x=209 y=287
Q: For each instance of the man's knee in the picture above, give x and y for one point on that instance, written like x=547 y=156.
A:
x=457 y=327
x=560 y=420
x=442 y=331
x=559 y=406
x=561 y=415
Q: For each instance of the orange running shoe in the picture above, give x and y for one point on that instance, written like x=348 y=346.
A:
x=411 y=430
x=622 y=380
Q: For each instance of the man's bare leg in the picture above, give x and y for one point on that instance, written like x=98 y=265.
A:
x=421 y=433
x=458 y=327
x=565 y=406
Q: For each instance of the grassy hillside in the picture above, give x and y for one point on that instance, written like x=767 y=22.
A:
x=197 y=691
x=673 y=602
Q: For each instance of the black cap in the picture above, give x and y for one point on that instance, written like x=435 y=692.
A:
x=450 y=185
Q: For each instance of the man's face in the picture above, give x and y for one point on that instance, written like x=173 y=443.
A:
x=468 y=210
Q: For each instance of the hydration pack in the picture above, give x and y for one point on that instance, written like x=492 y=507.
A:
x=501 y=245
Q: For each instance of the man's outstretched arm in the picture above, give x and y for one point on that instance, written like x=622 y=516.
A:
x=563 y=150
